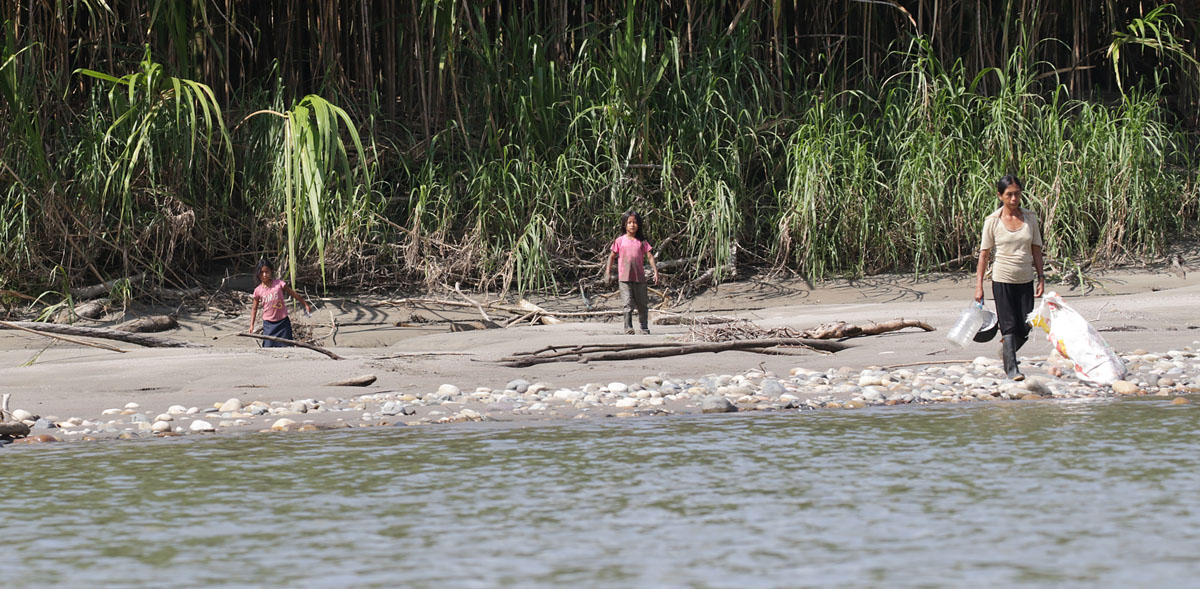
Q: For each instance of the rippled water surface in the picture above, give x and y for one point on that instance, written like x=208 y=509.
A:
x=974 y=495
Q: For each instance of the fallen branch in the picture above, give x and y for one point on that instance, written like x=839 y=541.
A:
x=149 y=324
x=487 y=321
x=59 y=337
x=688 y=320
x=281 y=340
x=420 y=354
x=841 y=329
x=928 y=362
x=357 y=381
x=518 y=310
x=662 y=350
x=91 y=292
x=103 y=333
x=669 y=264
x=542 y=316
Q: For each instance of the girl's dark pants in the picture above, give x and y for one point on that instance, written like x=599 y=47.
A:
x=634 y=295
x=281 y=328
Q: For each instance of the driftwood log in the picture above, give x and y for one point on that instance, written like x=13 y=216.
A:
x=149 y=324
x=10 y=429
x=91 y=292
x=281 y=340
x=357 y=381
x=589 y=353
x=148 y=341
x=60 y=337
x=93 y=309
x=841 y=329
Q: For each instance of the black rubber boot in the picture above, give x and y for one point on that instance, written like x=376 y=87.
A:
x=1011 y=369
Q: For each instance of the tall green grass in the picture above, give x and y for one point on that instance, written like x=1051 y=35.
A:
x=529 y=141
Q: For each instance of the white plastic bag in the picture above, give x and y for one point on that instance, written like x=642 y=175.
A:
x=1077 y=341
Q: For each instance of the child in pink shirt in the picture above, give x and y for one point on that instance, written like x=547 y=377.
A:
x=630 y=251
x=269 y=294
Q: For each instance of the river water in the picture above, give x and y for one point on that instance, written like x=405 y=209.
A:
x=987 y=494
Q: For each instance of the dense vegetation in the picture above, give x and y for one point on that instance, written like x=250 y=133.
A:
x=378 y=143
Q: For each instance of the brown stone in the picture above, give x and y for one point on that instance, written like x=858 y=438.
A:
x=38 y=439
x=1180 y=401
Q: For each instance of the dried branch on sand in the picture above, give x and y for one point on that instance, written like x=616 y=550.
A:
x=59 y=337
x=589 y=353
x=745 y=330
x=281 y=340
x=103 y=333
x=841 y=329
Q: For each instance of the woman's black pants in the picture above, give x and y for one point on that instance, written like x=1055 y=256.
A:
x=1014 y=302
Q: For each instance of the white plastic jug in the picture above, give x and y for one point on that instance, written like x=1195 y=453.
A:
x=968 y=324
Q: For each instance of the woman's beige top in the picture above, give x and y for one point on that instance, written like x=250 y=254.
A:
x=1012 y=251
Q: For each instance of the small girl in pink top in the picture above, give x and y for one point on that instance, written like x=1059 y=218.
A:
x=269 y=295
x=630 y=251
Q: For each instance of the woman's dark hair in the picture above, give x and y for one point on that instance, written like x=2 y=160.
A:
x=640 y=235
x=262 y=263
x=1008 y=180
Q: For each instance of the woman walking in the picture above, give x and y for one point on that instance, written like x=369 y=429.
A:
x=1013 y=237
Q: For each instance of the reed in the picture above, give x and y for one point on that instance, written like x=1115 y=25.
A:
x=496 y=144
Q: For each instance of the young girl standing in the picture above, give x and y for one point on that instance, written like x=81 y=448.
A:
x=630 y=251
x=269 y=295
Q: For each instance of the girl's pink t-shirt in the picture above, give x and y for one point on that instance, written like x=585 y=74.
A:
x=631 y=255
x=272 y=300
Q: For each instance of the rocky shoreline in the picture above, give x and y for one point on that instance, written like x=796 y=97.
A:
x=1166 y=374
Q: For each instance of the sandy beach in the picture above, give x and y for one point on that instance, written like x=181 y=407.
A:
x=415 y=351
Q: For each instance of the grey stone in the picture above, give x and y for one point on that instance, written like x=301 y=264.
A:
x=717 y=405
x=1038 y=385
x=519 y=385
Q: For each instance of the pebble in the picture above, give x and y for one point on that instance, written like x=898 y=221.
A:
x=282 y=424
x=1165 y=374
x=201 y=426
x=715 y=404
